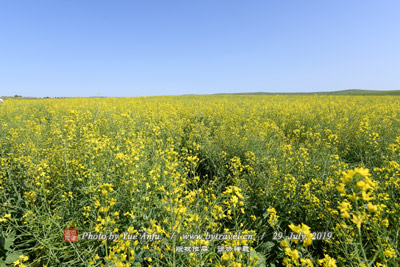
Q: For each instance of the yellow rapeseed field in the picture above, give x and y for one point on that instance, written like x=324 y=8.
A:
x=200 y=181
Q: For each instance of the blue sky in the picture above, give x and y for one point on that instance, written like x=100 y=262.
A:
x=167 y=47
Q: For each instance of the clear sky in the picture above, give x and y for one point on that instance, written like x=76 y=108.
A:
x=167 y=47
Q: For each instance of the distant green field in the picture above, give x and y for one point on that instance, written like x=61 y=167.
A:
x=341 y=92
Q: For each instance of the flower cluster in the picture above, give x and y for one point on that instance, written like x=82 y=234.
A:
x=176 y=165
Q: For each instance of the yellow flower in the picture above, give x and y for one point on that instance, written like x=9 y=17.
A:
x=353 y=197
x=294 y=228
x=357 y=220
x=308 y=240
x=363 y=185
x=225 y=256
x=293 y=254
x=23 y=258
x=305 y=230
x=390 y=252
x=284 y=243
x=327 y=261
x=366 y=196
x=341 y=188
x=372 y=207
x=348 y=176
x=273 y=217
x=306 y=262
x=364 y=172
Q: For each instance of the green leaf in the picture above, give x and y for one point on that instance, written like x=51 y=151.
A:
x=267 y=246
x=14 y=256
x=8 y=242
x=261 y=262
x=139 y=256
